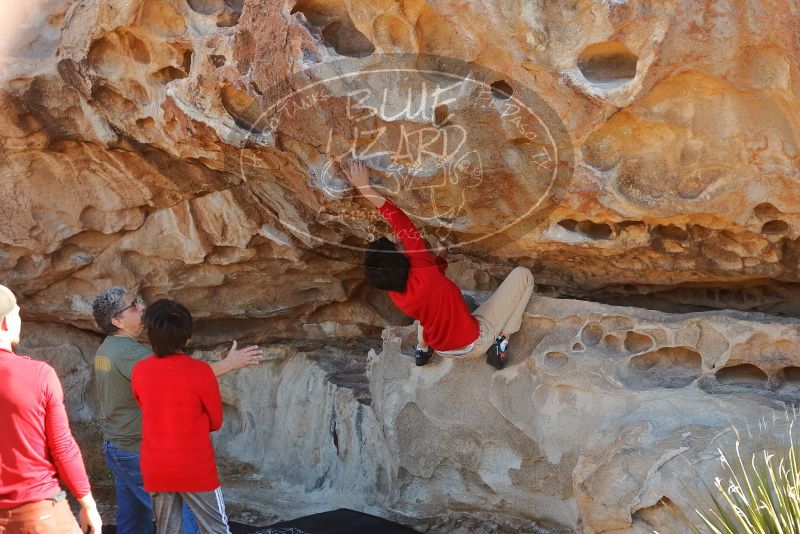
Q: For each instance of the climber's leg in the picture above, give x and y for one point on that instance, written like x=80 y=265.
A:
x=501 y=314
x=504 y=309
x=422 y=352
x=420 y=338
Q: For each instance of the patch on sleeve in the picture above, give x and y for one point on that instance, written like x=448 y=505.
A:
x=102 y=363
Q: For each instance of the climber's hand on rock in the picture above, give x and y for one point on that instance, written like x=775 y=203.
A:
x=357 y=175
x=441 y=249
x=238 y=358
x=243 y=357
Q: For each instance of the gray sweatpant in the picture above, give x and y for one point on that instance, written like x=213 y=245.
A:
x=207 y=506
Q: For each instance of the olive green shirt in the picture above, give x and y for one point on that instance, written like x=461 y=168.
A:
x=113 y=365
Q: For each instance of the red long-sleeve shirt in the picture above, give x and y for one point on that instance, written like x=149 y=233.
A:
x=430 y=296
x=181 y=405
x=36 y=444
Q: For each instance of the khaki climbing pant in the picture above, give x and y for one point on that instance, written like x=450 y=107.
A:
x=502 y=312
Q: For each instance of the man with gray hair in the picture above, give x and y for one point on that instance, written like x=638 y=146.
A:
x=36 y=444
x=119 y=314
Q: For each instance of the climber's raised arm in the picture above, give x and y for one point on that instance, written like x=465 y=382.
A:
x=359 y=178
x=413 y=244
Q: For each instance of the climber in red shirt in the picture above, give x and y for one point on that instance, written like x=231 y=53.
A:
x=181 y=404
x=417 y=284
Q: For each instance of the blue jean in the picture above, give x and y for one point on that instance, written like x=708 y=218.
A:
x=135 y=510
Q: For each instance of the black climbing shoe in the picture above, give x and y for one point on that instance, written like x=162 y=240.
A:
x=423 y=356
x=496 y=355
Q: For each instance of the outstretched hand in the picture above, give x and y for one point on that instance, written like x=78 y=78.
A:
x=441 y=249
x=358 y=176
x=238 y=358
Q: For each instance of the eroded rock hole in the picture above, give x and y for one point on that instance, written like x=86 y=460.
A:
x=104 y=56
x=314 y=11
x=244 y=109
x=776 y=227
x=393 y=31
x=568 y=224
x=608 y=62
x=791 y=375
x=578 y=347
x=670 y=231
x=670 y=367
x=112 y=100
x=766 y=211
x=337 y=28
x=145 y=123
x=186 y=64
x=595 y=230
x=745 y=373
x=555 y=360
x=612 y=344
x=592 y=334
x=589 y=229
x=167 y=74
x=440 y=115
x=636 y=342
x=501 y=90
x=347 y=40
x=137 y=47
x=206 y=7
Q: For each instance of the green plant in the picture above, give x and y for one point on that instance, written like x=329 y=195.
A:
x=759 y=497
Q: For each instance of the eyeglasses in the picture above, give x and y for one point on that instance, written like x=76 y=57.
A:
x=135 y=303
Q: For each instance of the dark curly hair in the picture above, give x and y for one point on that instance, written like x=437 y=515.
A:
x=386 y=267
x=169 y=327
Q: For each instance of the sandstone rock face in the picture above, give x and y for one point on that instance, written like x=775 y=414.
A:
x=608 y=419
x=143 y=147
x=631 y=151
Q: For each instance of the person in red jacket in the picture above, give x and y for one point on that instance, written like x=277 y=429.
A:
x=417 y=285
x=36 y=444
x=181 y=404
